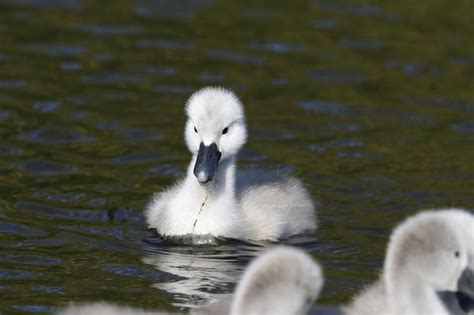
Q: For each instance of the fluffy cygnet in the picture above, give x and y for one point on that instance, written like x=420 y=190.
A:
x=427 y=254
x=211 y=199
x=283 y=280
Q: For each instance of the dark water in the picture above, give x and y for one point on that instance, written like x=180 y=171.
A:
x=372 y=106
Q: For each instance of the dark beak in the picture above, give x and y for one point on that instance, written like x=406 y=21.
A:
x=451 y=302
x=466 y=290
x=206 y=163
x=462 y=300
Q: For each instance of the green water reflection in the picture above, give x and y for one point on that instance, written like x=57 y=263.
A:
x=370 y=104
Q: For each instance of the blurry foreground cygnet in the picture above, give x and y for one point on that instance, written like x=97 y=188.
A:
x=427 y=254
x=283 y=280
x=101 y=308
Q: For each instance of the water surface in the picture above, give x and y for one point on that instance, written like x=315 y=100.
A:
x=370 y=105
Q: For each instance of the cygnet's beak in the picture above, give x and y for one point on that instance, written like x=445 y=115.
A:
x=466 y=290
x=206 y=163
x=462 y=300
x=451 y=302
x=466 y=282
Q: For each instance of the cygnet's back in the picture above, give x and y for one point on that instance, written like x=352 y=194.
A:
x=275 y=206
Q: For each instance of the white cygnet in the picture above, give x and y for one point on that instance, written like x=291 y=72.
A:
x=284 y=280
x=426 y=254
x=211 y=199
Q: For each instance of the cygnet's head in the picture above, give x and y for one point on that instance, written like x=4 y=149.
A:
x=215 y=129
x=463 y=221
x=427 y=249
x=283 y=280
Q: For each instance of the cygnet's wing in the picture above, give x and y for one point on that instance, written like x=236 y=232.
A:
x=274 y=206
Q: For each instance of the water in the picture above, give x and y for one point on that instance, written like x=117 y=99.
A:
x=371 y=106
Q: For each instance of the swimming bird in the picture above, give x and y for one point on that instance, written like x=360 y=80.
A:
x=284 y=280
x=212 y=199
x=427 y=254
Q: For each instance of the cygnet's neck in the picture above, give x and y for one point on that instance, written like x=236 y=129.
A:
x=407 y=294
x=222 y=184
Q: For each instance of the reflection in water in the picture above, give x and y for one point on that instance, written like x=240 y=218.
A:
x=206 y=271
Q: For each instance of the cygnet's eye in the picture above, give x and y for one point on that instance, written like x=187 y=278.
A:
x=195 y=130
x=226 y=129
x=456 y=254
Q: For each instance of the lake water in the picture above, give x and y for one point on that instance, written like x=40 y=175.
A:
x=371 y=106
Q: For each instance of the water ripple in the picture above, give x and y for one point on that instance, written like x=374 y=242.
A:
x=166 y=170
x=111 y=78
x=47 y=289
x=102 y=231
x=360 y=9
x=46 y=168
x=464 y=127
x=102 y=56
x=55 y=50
x=326 y=107
x=277 y=47
x=250 y=155
x=115 y=214
x=135 y=271
x=55 y=4
x=36 y=308
x=324 y=23
x=55 y=135
x=150 y=69
x=4 y=114
x=235 y=56
x=140 y=157
x=10 y=151
x=174 y=89
x=70 y=66
x=170 y=9
x=46 y=106
x=208 y=77
x=271 y=135
x=13 y=228
x=110 y=29
x=266 y=13
x=97 y=202
x=362 y=44
x=346 y=142
x=336 y=76
x=164 y=43
x=139 y=135
x=16 y=274
x=463 y=60
x=29 y=260
x=68 y=197
x=12 y=84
